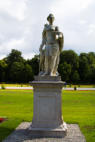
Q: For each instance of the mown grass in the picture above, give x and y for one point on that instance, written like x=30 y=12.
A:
x=77 y=107
x=15 y=85
x=81 y=86
x=27 y=85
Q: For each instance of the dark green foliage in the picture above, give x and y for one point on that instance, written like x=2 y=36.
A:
x=70 y=57
x=73 y=68
x=14 y=56
x=87 y=67
x=65 y=71
x=68 y=67
x=84 y=66
x=3 y=67
x=21 y=72
x=75 y=77
x=14 y=68
x=34 y=62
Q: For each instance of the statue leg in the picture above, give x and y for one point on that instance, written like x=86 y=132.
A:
x=56 y=65
x=46 y=65
x=41 y=65
x=53 y=65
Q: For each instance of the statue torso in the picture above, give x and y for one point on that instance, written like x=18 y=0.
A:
x=51 y=32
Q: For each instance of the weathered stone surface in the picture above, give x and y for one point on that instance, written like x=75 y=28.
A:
x=53 y=41
x=22 y=134
x=47 y=78
x=47 y=114
x=49 y=82
x=49 y=132
x=47 y=85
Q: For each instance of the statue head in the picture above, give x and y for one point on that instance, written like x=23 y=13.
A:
x=50 y=18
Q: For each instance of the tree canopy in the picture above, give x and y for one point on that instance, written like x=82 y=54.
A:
x=73 y=68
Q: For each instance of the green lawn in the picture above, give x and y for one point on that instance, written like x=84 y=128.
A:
x=27 y=85
x=15 y=85
x=78 y=107
x=81 y=86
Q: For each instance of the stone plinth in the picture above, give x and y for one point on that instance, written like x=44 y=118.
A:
x=22 y=134
x=47 y=115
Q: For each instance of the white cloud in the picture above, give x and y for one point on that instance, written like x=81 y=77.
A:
x=22 y=22
x=75 y=19
x=91 y=29
x=82 y=22
x=85 y=3
x=15 y=8
x=29 y=55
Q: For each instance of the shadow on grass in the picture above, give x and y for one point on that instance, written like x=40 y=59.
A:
x=4 y=132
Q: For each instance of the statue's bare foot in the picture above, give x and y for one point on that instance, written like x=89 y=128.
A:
x=46 y=73
x=52 y=74
x=41 y=73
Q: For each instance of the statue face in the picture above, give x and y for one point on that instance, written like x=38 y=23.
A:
x=51 y=20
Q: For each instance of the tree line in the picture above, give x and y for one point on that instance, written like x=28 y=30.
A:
x=73 y=68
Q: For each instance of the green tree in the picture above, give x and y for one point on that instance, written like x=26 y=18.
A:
x=27 y=73
x=69 y=62
x=75 y=77
x=16 y=72
x=14 y=56
x=72 y=68
x=21 y=72
x=91 y=58
x=70 y=57
x=65 y=71
x=92 y=74
x=84 y=68
x=3 y=67
x=34 y=63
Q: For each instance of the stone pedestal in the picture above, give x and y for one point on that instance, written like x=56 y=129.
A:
x=47 y=115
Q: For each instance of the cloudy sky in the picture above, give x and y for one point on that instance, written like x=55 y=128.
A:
x=22 y=22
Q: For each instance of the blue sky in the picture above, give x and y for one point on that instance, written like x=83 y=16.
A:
x=22 y=22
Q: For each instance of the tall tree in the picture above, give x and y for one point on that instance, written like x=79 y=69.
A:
x=65 y=71
x=70 y=57
x=3 y=67
x=69 y=62
x=84 y=68
x=14 y=56
x=21 y=72
x=34 y=62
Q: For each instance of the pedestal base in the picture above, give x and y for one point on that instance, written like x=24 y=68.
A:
x=49 y=132
x=47 y=116
x=23 y=134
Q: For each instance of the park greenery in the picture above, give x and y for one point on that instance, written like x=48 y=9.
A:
x=73 y=68
x=78 y=107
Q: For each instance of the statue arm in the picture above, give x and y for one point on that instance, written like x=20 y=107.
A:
x=43 y=40
x=60 y=38
x=61 y=41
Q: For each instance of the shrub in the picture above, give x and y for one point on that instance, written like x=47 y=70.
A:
x=3 y=87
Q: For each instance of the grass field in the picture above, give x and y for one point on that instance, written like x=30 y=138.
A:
x=81 y=86
x=27 y=85
x=15 y=85
x=77 y=107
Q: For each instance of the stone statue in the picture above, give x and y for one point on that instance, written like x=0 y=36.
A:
x=52 y=40
x=47 y=114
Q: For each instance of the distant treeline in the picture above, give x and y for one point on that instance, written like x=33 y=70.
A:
x=73 y=68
